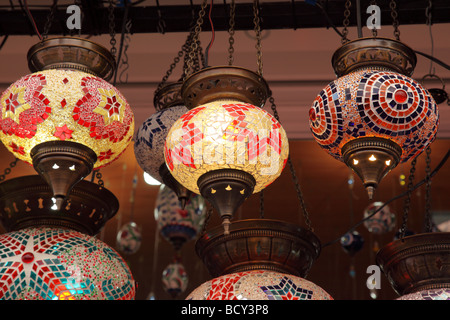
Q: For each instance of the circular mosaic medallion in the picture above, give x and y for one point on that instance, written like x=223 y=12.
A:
x=373 y=103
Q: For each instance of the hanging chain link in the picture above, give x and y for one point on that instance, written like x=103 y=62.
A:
x=124 y=60
x=99 y=176
x=112 y=28
x=49 y=21
x=346 y=21
x=257 y=29
x=407 y=202
x=394 y=15
x=231 y=33
x=428 y=220
x=194 y=49
x=293 y=173
x=8 y=170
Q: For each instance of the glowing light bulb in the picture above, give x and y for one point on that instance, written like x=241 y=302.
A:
x=388 y=162
x=372 y=158
x=355 y=161
x=55 y=166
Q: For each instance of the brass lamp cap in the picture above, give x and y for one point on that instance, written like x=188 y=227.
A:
x=72 y=53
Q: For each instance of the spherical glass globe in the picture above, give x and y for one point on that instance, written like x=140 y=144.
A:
x=65 y=105
x=258 y=285
x=175 y=279
x=151 y=137
x=129 y=238
x=226 y=134
x=60 y=264
x=374 y=103
x=381 y=222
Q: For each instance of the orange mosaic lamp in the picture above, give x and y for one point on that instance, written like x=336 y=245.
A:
x=65 y=118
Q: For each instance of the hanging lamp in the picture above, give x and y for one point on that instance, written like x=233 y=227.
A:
x=225 y=147
x=374 y=116
x=65 y=118
x=51 y=254
x=260 y=259
x=151 y=135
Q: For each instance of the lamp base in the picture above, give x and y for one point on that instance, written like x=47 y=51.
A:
x=62 y=164
x=27 y=202
x=259 y=244
x=418 y=262
x=371 y=159
x=226 y=190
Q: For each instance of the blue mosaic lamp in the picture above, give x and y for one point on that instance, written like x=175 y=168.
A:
x=374 y=116
x=151 y=136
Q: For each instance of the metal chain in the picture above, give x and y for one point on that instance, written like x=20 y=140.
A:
x=99 y=176
x=231 y=33
x=195 y=40
x=293 y=173
x=257 y=29
x=407 y=202
x=428 y=191
x=112 y=28
x=49 y=21
x=346 y=21
x=124 y=59
x=8 y=170
x=394 y=16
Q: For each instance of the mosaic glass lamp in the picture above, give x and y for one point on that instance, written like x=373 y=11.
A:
x=226 y=147
x=352 y=242
x=177 y=224
x=65 y=118
x=417 y=266
x=151 y=137
x=374 y=116
x=49 y=263
x=175 y=279
x=258 y=285
x=260 y=259
x=381 y=222
x=129 y=238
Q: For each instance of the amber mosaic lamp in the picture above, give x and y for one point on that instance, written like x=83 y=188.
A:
x=65 y=118
x=226 y=147
x=374 y=116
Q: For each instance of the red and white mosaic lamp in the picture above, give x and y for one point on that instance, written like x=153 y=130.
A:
x=65 y=119
x=374 y=116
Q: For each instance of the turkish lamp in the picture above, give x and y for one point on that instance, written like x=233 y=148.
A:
x=65 y=118
x=226 y=147
x=151 y=136
x=374 y=116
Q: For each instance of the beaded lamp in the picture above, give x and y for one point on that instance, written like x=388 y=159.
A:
x=374 y=116
x=226 y=147
x=65 y=118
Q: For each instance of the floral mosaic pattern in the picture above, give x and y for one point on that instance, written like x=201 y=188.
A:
x=129 y=238
x=226 y=134
x=175 y=279
x=259 y=285
x=174 y=222
x=68 y=106
x=371 y=103
x=59 y=264
x=151 y=137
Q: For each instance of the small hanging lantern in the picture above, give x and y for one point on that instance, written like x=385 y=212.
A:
x=175 y=223
x=65 y=118
x=381 y=222
x=129 y=238
x=175 y=279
